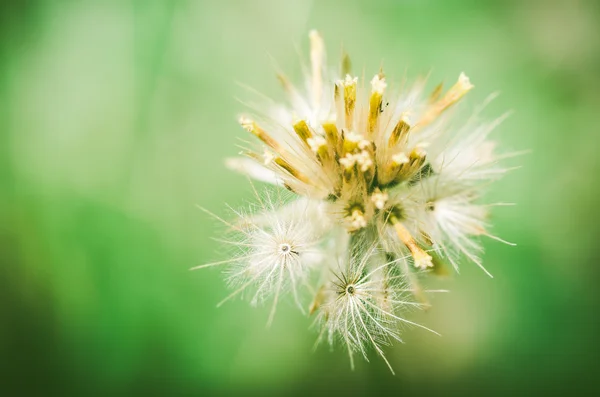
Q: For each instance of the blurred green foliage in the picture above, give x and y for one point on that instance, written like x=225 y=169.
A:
x=115 y=118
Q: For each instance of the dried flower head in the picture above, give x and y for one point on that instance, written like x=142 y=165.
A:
x=365 y=303
x=387 y=185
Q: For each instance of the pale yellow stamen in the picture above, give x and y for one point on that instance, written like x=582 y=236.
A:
x=331 y=133
x=350 y=81
x=379 y=198
x=457 y=91
x=399 y=159
x=400 y=132
x=390 y=172
x=419 y=151
x=422 y=259
x=364 y=161
x=268 y=157
x=316 y=143
x=251 y=126
x=356 y=220
x=317 y=50
x=378 y=86
x=364 y=144
x=349 y=84
x=302 y=130
x=353 y=140
x=348 y=161
x=291 y=170
x=353 y=137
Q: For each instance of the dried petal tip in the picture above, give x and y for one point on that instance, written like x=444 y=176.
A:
x=377 y=87
x=317 y=55
x=457 y=91
x=422 y=259
x=400 y=158
x=464 y=82
x=250 y=125
x=400 y=132
x=349 y=81
x=454 y=94
x=246 y=123
x=317 y=143
x=378 y=84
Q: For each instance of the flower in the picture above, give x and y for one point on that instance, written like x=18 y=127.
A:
x=386 y=184
x=361 y=308
x=271 y=253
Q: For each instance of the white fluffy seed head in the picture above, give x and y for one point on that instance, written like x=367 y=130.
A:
x=387 y=195
x=365 y=304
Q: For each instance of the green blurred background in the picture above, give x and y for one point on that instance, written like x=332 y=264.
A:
x=115 y=118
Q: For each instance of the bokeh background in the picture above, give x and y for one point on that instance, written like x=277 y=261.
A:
x=115 y=117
